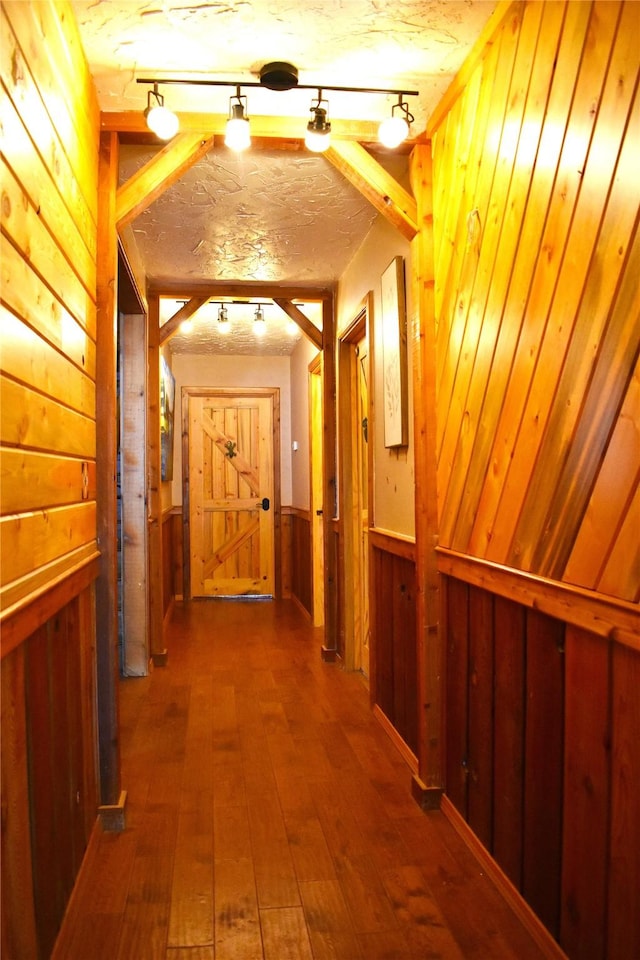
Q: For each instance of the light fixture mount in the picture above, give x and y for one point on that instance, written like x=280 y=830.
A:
x=279 y=75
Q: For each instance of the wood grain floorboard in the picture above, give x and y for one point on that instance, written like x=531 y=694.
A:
x=270 y=817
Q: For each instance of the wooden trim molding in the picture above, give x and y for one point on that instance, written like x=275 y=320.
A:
x=24 y=618
x=303 y=514
x=394 y=543
x=617 y=620
x=549 y=947
x=403 y=748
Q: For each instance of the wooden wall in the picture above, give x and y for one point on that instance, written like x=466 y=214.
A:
x=49 y=170
x=537 y=257
x=392 y=591
x=301 y=559
x=541 y=751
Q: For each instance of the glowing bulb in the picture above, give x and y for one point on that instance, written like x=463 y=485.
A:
x=164 y=123
x=317 y=142
x=186 y=326
x=393 y=131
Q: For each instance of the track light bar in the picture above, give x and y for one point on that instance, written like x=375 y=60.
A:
x=281 y=76
x=297 y=86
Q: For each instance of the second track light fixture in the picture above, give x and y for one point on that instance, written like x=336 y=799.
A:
x=279 y=76
x=319 y=128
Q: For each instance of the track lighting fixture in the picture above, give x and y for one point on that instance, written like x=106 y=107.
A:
x=395 y=129
x=259 y=315
x=318 y=134
x=160 y=119
x=238 y=136
x=223 y=316
x=278 y=76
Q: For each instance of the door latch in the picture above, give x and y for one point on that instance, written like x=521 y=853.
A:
x=263 y=504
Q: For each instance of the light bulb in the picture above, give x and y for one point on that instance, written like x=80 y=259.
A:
x=317 y=142
x=393 y=131
x=164 y=123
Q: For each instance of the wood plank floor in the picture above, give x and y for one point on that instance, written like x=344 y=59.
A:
x=269 y=816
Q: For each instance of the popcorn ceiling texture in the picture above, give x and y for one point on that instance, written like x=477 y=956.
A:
x=287 y=215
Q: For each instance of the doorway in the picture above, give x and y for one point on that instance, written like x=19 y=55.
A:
x=231 y=491
x=355 y=430
x=317 y=484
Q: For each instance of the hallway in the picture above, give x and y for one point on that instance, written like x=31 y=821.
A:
x=270 y=816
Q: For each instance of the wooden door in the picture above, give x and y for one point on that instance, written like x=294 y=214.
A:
x=231 y=494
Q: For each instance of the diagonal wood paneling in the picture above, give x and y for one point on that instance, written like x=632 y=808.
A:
x=538 y=307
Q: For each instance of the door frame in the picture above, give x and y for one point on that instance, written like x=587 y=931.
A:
x=359 y=326
x=316 y=489
x=258 y=392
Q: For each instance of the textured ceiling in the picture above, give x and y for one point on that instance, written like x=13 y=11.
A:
x=279 y=215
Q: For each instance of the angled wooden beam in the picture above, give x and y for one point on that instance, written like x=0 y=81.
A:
x=374 y=183
x=154 y=177
x=133 y=263
x=309 y=329
x=168 y=329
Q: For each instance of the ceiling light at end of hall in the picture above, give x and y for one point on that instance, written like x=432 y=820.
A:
x=278 y=76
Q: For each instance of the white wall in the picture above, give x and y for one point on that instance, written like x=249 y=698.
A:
x=243 y=371
x=393 y=478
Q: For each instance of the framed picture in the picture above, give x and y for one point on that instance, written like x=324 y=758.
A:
x=167 y=401
x=394 y=354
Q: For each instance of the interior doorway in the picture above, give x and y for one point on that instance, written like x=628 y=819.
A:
x=317 y=483
x=231 y=492
x=355 y=435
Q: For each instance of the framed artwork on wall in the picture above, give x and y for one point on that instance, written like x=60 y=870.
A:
x=394 y=354
x=167 y=402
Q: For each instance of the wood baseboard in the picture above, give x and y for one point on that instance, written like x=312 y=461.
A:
x=301 y=607
x=550 y=947
x=112 y=816
x=427 y=798
x=403 y=748
x=160 y=658
x=329 y=656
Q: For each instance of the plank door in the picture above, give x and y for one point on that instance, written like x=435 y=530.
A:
x=231 y=509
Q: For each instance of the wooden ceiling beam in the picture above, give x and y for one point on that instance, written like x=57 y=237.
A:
x=309 y=329
x=381 y=189
x=212 y=289
x=214 y=124
x=158 y=174
x=168 y=329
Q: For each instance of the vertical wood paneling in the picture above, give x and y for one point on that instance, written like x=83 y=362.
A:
x=393 y=642
x=18 y=918
x=497 y=225
x=457 y=597
x=616 y=483
x=623 y=927
x=508 y=737
x=536 y=292
x=544 y=757
x=301 y=566
x=586 y=795
x=480 y=751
